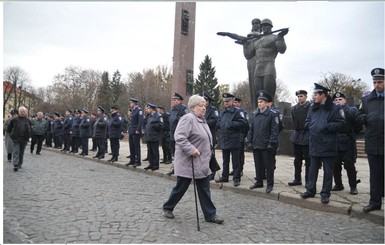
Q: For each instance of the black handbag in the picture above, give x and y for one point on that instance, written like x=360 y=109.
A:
x=214 y=166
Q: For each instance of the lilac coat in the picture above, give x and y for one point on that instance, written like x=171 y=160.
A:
x=192 y=133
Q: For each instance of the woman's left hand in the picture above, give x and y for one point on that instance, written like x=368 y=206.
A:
x=196 y=153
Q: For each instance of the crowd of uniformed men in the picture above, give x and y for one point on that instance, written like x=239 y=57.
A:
x=323 y=136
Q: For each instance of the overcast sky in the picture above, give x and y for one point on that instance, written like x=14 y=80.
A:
x=44 y=38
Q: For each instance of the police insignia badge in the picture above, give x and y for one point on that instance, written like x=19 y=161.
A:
x=242 y=115
x=261 y=94
x=342 y=113
x=338 y=95
x=161 y=120
x=276 y=120
x=120 y=118
x=360 y=106
x=280 y=117
x=216 y=113
x=186 y=111
x=140 y=112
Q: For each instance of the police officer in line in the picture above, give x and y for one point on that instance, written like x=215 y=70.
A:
x=371 y=114
x=58 y=131
x=231 y=121
x=115 y=131
x=135 y=132
x=85 y=131
x=165 y=135
x=347 y=148
x=153 y=134
x=237 y=104
x=263 y=139
x=100 y=132
x=48 y=133
x=323 y=122
x=300 y=138
x=75 y=136
x=94 y=142
x=177 y=111
x=212 y=117
x=67 y=130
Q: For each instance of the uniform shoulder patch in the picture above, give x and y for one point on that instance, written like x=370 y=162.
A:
x=120 y=118
x=185 y=110
x=216 y=113
x=342 y=113
x=242 y=114
x=140 y=112
x=276 y=120
x=161 y=119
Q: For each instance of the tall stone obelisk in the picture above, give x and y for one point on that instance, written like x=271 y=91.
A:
x=184 y=40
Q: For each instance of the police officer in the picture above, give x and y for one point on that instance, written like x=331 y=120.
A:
x=300 y=138
x=237 y=104
x=371 y=114
x=323 y=121
x=135 y=132
x=58 y=131
x=115 y=131
x=67 y=130
x=85 y=131
x=212 y=117
x=94 y=142
x=153 y=134
x=231 y=121
x=100 y=132
x=263 y=138
x=165 y=135
x=347 y=148
x=48 y=133
x=177 y=111
x=76 y=132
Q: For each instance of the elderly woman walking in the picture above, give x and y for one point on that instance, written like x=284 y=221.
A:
x=193 y=146
x=8 y=141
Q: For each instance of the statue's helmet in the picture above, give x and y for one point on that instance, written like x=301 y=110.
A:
x=266 y=22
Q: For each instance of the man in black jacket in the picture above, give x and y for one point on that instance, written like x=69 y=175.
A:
x=165 y=135
x=67 y=130
x=323 y=122
x=115 y=131
x=371 y=114
x=100 y=132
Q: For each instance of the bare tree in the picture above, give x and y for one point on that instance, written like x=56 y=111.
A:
x=282 y=93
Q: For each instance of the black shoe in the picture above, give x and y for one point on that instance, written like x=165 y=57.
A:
x=325 y=200
x=256 y=185
x=337 y=188
x=236 y=183
x=221 y=180
x=155 y=168
x=9 y=156
x=269 y=189
x=295 y=182
x=353 y=191
x=307 y=194
x=370 y=208
x=130 y=163
x=110 y=154
x=144 y=160
x=114 y=159
x=96 y=156
x=215 y=220
x=128 y=156
x=101 y=157
x=135 y=165
x=38 y=153
x=148 y=167
x=167 y=162
x=168 y=214
x=15 y=169
x=171 y=172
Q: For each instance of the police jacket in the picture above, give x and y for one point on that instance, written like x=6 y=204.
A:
x=323 y=123
x=371 y=114
x=76 y=126
x=212 y=117
x=58 y=127
x=115 y=126
x=231 y=121
x=85 y=127
x=100 y=127
x=49 y=125
x=136 y=120
x=68 y=124
x=39 y=126
x=154 y=127
x=176 y=113
x=166 y=125
x=264 y=127
x=245 y=129
x=300 y=136
x=346 y=136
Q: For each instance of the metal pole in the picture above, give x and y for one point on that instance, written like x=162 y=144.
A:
x=195 y=193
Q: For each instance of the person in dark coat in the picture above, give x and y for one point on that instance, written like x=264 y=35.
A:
x=153 y=134
x=212 y=117
x=323 y=122
x=39 y=127
x=67 y=130
x=347 y=148
x=115 y=132
x=48 y=132
x=300 y=138
x=58 y=131
x=8 y=141
x=371 y=114
x=94 y=142
x=231 y=121
x=263 y=139
x=237 y=104
x=165 y=135
x=76 y=132
x=135 y=132
x=85 y=131
x=100 y=132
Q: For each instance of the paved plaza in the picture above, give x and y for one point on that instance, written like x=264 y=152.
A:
x=65 y=198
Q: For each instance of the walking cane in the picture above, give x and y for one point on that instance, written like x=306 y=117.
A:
x=195 y=193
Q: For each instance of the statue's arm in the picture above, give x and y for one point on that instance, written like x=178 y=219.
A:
x=232 y=35
x=248 y=50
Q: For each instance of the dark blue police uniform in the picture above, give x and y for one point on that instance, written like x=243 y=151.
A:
x=100 y=132
x=135 y=132
x=58 y=131
x=153 y=134
x=85 y=132
x=76 y=132
x=115 y=130
x=67 y=131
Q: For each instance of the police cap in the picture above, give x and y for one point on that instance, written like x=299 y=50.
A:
x=175 y=95
x=114 y=107
x=207 y=96
x=14 y=111
x=161 y=107
x=69 y=110
x=237 y=99
x=320 y=89
x=338 y=95
x=57 y=114
x=304 y=92
x=77 y=111
x=150 y=105
x=134 y=100
x=227 y=96
x=378 y=73
x=85 y=110
x=101 y=108
x=264 y=95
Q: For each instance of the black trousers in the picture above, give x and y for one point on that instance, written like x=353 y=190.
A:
x=58 y=141
x=301 y=152
x=85 y=145
x=48 y=139
x=134 y=141
x=75 y=144
x=101 y=143
x=328 y=166
x=376 y=168
x=346 y=158
x=226 y=163
x=165 y=142
x=263 y=160
x=242 y=156
x=115 y=146
x=67 y=141
x=39 y=140
x=172 y=147
x=153 y=153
